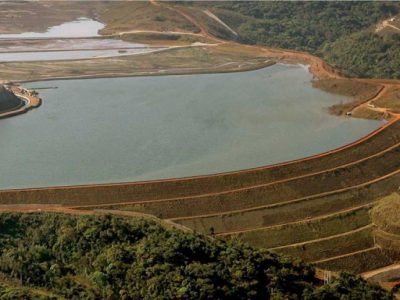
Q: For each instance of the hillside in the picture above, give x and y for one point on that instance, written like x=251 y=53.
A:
x=343 y=33
x=91 y=257
x=329 y=210
x=366 y=54
x=8 y=101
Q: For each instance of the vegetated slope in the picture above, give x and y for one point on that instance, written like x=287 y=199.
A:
x=321 y=215
x=8 y=100
x=366 y=54
x=109 y=257
x=129 y=16
x=312 y=26
x=37 y=16
x=386 y=218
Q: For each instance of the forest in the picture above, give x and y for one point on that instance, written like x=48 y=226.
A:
x=52 y=256
x=340 y=32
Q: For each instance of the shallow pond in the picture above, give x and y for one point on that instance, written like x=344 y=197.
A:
x=69 y=55
x=81 y=27
x=65 y=44
x=126 y=129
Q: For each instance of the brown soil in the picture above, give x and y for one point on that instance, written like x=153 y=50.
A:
x=390 y=99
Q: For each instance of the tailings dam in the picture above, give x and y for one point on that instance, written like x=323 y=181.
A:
x=147 y=128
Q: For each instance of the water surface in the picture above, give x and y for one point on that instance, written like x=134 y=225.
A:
x=66 y=44
x=82 y=27
x=69 y=55
x=125 y=129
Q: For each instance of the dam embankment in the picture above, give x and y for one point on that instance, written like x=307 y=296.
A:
x=383 y=138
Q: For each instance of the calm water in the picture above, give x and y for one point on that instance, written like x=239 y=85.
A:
x=81 y=27
x=68 y=55
x=43 y=50
x=110 y=130
x=66 y=44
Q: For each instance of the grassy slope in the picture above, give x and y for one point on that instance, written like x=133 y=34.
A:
x=315 y=250
x=358 y=262
x=359 y=91
x=389 y=99
x=306 y=230
x=127 y=16
x=37 y=16
x=386 y=218
x=385 y=214
x=182 y=60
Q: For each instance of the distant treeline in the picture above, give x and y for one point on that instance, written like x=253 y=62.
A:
x=340 y=32
x=51 y=256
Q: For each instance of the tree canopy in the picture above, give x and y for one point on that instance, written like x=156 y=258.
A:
x=109 y=257
x=340 y=32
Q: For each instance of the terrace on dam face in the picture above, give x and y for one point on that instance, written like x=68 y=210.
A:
x=122 y=130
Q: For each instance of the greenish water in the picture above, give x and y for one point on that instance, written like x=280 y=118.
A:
x=126 y=129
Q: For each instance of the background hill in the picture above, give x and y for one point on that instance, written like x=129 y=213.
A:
x=361 y=38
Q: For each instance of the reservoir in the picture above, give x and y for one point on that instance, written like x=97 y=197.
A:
x=143 y=128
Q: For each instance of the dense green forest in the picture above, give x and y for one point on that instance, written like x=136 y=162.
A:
x=366 y=54
x=48 y=256
x=324 y=28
